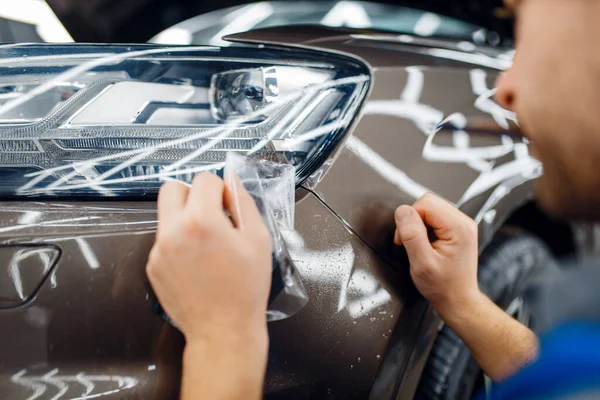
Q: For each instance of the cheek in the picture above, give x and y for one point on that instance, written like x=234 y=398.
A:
x=553 y=190
x=569 y=176
x=536 y=109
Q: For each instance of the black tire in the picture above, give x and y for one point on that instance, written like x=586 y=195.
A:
x=506 y=268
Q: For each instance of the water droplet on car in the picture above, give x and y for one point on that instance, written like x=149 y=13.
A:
x=352 y=367
x=378 y=356
x=358 y=359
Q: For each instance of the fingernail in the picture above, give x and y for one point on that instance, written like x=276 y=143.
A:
x=403 y=212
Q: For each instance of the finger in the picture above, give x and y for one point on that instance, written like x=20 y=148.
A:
x=440 y=215
x=206 y=197
x=172 y=198
x=240 y=204
x=412 y=233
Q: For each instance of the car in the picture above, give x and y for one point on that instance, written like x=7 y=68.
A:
x=209 y=28
x=369 y=119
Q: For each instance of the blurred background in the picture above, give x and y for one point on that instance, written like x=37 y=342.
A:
x=137 y=21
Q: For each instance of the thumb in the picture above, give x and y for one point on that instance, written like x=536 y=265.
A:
x=412 y=233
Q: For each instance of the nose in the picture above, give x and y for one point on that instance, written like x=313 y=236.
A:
x=506 y=93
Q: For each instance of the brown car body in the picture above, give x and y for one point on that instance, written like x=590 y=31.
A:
x=90 y=330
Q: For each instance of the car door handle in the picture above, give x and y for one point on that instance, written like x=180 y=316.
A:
x=23 y=269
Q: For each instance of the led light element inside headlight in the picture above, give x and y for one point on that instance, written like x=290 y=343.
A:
x=234 y=94
x=111 y=121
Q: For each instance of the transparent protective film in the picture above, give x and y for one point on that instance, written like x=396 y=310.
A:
x=272 y=186
x=80 y=122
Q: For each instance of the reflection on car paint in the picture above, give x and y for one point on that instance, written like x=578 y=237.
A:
x=55 y=223
x=476 y=59
x=35 y=222
x=88 y=253
x=526 y=167
x=22 y=259
x=451 y=50
x=15 y=273
x=428 y=119
x=30 y=217
x=485 y=102
x=460 y=152
x=90 y=386
x=487 y=212
x=385 y=169
x=344 y=13
x=246 y=18
x=408 y=106
x=427 y=25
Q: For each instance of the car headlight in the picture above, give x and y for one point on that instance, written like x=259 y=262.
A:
x=85 y=121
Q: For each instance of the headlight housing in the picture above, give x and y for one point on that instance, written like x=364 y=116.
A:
x=88 y=121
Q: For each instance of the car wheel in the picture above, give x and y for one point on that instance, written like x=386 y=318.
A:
x=506 y=268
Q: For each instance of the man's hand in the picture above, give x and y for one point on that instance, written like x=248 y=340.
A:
x=212 y=276
x=445 y=270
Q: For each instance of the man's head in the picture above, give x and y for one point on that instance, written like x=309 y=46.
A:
x=554 y=87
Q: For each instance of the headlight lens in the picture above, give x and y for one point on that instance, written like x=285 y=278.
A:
x=87 y=121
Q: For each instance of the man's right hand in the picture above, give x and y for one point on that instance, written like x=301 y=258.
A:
x=445 y=270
